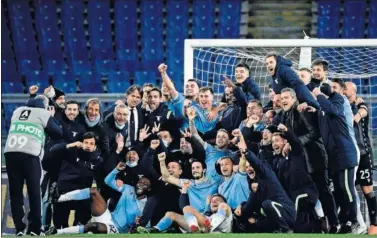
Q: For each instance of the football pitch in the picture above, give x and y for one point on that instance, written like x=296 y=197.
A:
x=212 y=235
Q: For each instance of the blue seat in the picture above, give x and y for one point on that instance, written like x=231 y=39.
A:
x=65 y=81
x=118 y=82
x=12 y=87
x=104 y=66
x=354 y=7
x=53 y=65
x=8 y=111
x=353 y=27
x=142 y=77
x=8 y=65
x=328 y=27
x=80 y=66
x=90 y=82
x=39 y=78
x=328 y=7
x=372 y=23
x=177 y=77
x=177 y=19
x=229 y=18
x=128 y=65
x=203 y=19
x=21 y=24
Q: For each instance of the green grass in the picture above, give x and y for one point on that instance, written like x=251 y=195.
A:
x=212 y=235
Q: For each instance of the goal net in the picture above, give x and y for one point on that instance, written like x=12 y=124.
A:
x=353 y=60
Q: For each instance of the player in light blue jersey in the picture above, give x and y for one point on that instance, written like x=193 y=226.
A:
x=201 y=100
x=128 y=210
x=213 y=153
x=201 y=186
x=235 y=187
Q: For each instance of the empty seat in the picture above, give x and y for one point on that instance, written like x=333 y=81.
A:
x=203 y=19
x=128 y=65
x=353 y=27
x=177 y=19
x=8 y=66
x=177 y=77
x=8 y=111
x=142 y=77
x=118 y=82
x=65 y=81
x=39 y=78
x=12 y=87
x=328 y=7
x=90 y=82
x=328 y=27
x=354 y=7
x=80 y=66
x=229 y=18
x=104 y=66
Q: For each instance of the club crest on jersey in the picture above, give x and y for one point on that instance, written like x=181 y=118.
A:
x=74 y=133
x=158 y=118
x=276 y=81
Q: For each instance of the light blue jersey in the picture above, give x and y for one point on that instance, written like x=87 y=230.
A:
x=199 y=191
x=212 y=155
x=201 y=122
x=235 y=190
x=128 y=206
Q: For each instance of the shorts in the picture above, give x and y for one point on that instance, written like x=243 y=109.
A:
x=225 y=226
x=364 y=176
x=107 y=220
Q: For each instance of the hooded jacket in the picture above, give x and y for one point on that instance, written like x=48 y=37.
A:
x=286 y=77
x=335 y=134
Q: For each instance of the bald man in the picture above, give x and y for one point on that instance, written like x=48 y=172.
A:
x=364 y=175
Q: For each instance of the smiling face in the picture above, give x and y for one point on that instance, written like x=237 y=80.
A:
x=197 y=170
x=146 y=89
x=271 y=65
x=250 y=170
x=268 y=117
x=215 y=202
x=60 y=101
x=174 y=169
x=319 y=73
x=287 y=101
x=185 y=147
x=229 y=96
x=92 y=111
x=143 y=186
x=336 y=88
x=72 y=111
x=226 y=166
x=191 y=89
x=305 y=76
x=132 y=156
x=266 y=136
x=276 y=103
x=278 y=143
x=154 y=100
x=271 y=94
x=89 y=145
x=241 y=74
x=222 y=139
x=205 y=99
x=133 y=99
x=120 y=115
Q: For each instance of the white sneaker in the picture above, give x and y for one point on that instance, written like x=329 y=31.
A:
x=20 y=233
x=360 y=230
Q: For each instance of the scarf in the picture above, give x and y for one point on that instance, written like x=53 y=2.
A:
x=92 y=123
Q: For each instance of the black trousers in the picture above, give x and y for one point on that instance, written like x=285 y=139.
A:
x=23 y=167
x=321 y=181
x=344 y=186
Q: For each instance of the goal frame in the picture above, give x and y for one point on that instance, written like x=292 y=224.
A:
x=191 y=44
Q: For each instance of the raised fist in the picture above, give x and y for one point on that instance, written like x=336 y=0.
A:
x=162 y=68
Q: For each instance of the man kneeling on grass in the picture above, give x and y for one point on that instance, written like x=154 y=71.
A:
x=219 y=218
x=128 y=210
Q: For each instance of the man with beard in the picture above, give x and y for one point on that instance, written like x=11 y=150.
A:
x=159 y=114
x=146 y=88
x=166 y=196
x=200 y=99
x=125 y=215
x=234 y=112
x=291 y=171
x=341 y=150
x=56 y=98
x=116 y=124
x=271 y=94
x=284 y=76
x=254 y=109
x=80 y=161
x=201 y=186
x=305 y=126
x=364 y=175
x=268 y=209
x=269 y=118
x=213 y=153
x=72 y=131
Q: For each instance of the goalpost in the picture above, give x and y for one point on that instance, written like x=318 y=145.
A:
x=353 y=60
